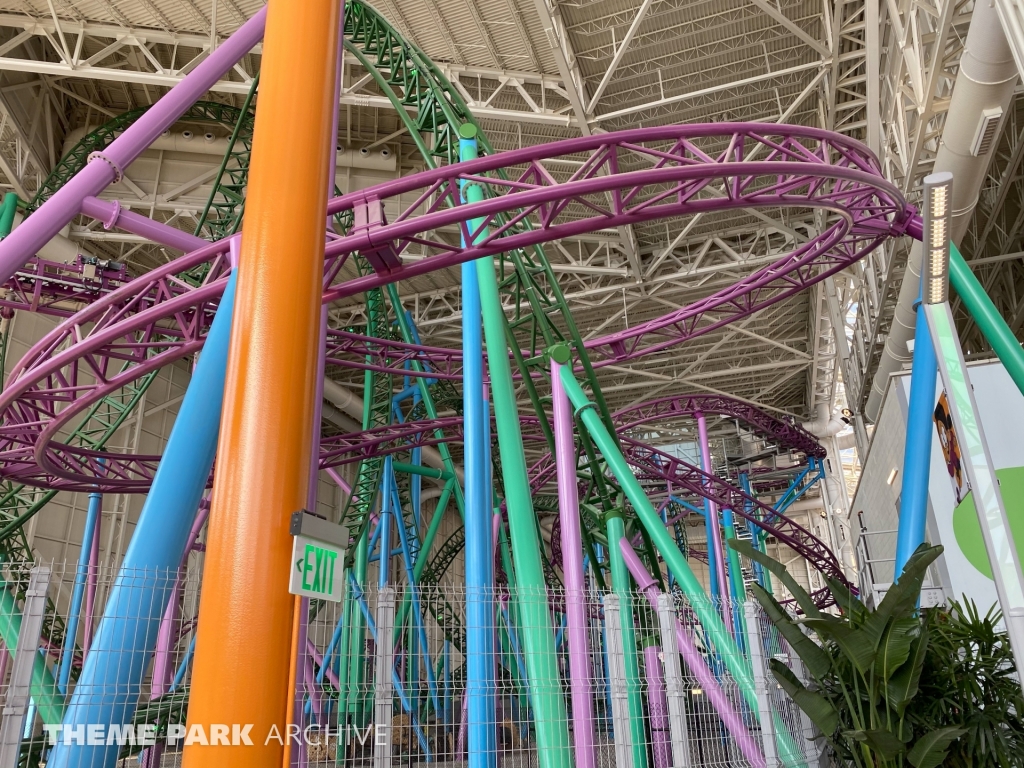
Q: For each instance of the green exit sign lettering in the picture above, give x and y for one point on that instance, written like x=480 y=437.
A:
x=317 y=569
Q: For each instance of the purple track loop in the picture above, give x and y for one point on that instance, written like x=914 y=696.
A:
x=157 y=318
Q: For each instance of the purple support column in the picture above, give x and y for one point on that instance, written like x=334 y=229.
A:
x=572 y=568
x=104 y=168
x=657 y=700
x=716 y=553
x=695 y=661
x=111 y=215
x=167 y=636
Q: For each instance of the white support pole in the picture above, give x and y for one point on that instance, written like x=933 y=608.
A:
x=384 y=692
x=19 y=689
x=814 y=743
x=757 y=662
x=617 y=681
x=674 y=688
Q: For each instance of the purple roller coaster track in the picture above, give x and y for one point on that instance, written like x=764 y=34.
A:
x=135 y=326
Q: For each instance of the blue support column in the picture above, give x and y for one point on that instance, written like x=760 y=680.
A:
x=108 y=689
x=917 y=452
x=385 y=523
x=78 y=593
x=479 y=582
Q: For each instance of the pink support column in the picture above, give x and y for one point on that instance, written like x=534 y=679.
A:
x=572 y=567
x=695 y=661
x=106 y=167
x=167 y=636
x=657 y=700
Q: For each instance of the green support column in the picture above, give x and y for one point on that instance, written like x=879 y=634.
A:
x=622 y=586
x=687 y=580
x=7 y=210
x=538 y=635
x=991 y=324
x=43 y=687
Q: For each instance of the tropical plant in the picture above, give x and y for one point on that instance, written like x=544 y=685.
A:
x=969 y=681
x=866 y=666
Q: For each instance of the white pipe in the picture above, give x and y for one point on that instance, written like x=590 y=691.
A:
x=348 y=402
x=986 y=80
x=59 y=248
x=199 y=144
x=825 y=425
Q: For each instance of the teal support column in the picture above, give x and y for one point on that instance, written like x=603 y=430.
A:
x=48 y=700
x=623 y=587
x=546 y=693
x=991 y=324
x=687 y=580
x=7 y=210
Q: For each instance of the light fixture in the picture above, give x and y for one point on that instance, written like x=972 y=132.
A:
x=938 y=218
x=892 y=476
x=697 y=691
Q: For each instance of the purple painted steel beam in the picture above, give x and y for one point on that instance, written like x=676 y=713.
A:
x=111 y=215
x=695 y=661
x=104 y=168
x=572 y=569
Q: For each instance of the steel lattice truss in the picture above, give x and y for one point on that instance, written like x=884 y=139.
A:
x=633 y=176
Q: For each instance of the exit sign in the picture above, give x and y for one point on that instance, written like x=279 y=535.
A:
x=317 y=569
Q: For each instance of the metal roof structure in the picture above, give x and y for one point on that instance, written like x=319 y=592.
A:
x=537 y=70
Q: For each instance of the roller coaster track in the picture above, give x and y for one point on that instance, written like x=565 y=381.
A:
x=155 y=319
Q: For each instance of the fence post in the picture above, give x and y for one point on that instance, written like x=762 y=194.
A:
x=814 y=746
x=674 y=689
x=617 y=681
x=384 y=687
x=761 y=680
x=19 y=689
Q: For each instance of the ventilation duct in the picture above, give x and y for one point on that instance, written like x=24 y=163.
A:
x=981 y=97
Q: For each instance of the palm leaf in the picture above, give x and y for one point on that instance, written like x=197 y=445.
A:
x=779 y=570
x=902 y=597
x=854 y=643
x=894 y=648
x=903 y=686
x=931 y=749
x=814 y=656
x=816 y=706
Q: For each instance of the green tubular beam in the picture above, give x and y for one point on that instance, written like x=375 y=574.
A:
x=538 y=634
x=7 y=211
x=43 y=687
x=622 y=586
x=224 y=209
x=990 y=322
x=709 y=619
x=100 y=139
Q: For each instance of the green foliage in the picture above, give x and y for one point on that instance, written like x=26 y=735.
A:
x=968 y=682
x=866 y=665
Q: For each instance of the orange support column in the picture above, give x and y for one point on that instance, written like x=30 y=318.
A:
x=241 y=668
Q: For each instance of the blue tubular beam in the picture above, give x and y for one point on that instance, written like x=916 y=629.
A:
x=108 y=689
x=179 y=676
x=417 y=613
x=755 y=531
x=68 y=652
x=479 y=587
x=384 y=526
x=917 y=453
x=396 y=681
